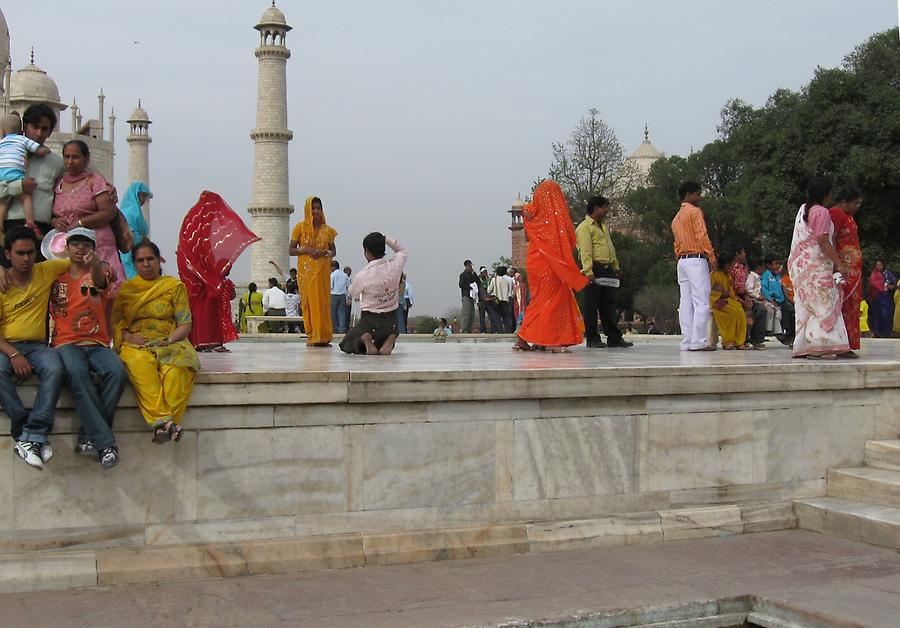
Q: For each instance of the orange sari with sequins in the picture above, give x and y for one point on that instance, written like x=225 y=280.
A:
x=552 y=318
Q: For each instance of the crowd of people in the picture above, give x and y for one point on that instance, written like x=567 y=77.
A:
x=500 y=299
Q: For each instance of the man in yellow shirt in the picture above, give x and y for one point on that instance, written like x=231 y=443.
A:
x=23 y=346
x=597 y=255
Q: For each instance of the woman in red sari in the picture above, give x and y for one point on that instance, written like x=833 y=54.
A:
x=212 y=237
x=552 y=319
x=846 y=241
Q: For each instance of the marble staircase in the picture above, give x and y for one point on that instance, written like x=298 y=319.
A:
x=862 y=503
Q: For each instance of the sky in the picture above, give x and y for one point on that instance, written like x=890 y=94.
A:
x=423 y=120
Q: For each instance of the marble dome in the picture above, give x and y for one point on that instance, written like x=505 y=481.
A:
x=33 y=84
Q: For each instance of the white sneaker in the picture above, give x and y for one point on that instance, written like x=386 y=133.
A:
x=46 y=452
x=29 y=452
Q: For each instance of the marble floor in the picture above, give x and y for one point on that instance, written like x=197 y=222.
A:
x=825 y=580
x=410 y=356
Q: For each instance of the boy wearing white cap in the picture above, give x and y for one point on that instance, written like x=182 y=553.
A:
x=78 y=306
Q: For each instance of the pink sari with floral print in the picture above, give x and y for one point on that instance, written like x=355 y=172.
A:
x=818 y=301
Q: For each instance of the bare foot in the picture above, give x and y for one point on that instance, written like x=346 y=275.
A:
x=388 y=345
x=557 y=350
x=371 y=349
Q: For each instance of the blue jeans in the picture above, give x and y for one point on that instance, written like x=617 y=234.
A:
x=95 y=406
x=37 y=424
x=401 y=319
x=339 y=313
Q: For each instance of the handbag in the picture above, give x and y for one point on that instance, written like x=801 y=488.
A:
x=120 y=228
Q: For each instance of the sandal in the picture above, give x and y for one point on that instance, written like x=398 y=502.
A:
x=175 y=432
x=558 y=350
x=521 y=345
x=222 y=349
x=161 y=434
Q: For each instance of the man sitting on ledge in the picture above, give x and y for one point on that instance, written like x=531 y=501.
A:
x=376 y=287
x=23 y=346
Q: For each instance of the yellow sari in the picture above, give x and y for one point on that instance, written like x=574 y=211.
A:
x=162 y=377
x=314 y=277
x=730 y=318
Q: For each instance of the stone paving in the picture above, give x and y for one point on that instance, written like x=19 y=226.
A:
x=649 y=351
x=831 y=581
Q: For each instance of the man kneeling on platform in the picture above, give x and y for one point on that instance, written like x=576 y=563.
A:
x=376 y=287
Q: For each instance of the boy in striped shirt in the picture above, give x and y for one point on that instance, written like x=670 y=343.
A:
x=14 y=149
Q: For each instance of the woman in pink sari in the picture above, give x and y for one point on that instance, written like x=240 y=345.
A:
x=83 y=199
x=821 y=333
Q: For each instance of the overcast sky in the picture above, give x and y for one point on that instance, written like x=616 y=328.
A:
x=423 y=120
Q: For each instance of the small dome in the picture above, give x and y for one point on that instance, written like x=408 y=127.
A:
x=32 y=84
x=139 y=115
x=273 y=17
x=518 y=204
x=646 y=151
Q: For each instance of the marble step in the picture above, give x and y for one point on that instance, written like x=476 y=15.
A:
x=883 y=454
x=865 y=484
x=857 y=521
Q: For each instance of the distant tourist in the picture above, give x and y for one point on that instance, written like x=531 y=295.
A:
x=151 y=322
x=340 y=283
x=23 y=346
x=14 y=150
x=779 y=318
x=501 y=289
x=376 y=287
x=409 y=297
x=442 y=332
x=274 y=304
x=211 y=239
x=726 y=307
x=846 y=241
x=552 y=321
x=753 y=288
x=348 y=305
x=696 y=260
x=597 y=255
x=520 y=294
x=813 y=259
x=291 y=297
x=312 y=241
x=135 y=197
x=882 y=283
x=41 y=173
x=81 y=336
x=486 y=310
x=251 y=304
x=467 y=286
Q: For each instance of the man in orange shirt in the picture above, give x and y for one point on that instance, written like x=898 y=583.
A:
x=695 y=261
x=78 y=306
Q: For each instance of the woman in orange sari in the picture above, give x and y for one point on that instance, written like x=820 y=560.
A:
x=312 y=241
x=552 y=319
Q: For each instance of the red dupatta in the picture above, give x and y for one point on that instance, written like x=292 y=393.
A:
x=212 y=237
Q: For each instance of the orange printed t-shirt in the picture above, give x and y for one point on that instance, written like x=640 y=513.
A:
x=78 y=310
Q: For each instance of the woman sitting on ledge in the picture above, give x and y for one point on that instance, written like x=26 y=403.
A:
x=151 y=321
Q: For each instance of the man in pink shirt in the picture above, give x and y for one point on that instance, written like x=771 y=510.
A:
x=376 y=287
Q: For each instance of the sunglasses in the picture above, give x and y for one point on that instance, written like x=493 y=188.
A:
x=84 y=290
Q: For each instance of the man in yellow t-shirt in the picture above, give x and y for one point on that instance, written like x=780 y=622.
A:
x=23 y=345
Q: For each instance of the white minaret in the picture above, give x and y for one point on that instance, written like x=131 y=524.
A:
x=270 y=206
x=139 y=151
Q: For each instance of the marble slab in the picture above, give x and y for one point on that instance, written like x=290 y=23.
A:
x=228 y=530
x=575 y=457
x=47 y=571
x=609 y=531
x=258 y=473
x=428 y=464
x=696 y=523
x=699 y=450
x=410 y=547
x=151 y=484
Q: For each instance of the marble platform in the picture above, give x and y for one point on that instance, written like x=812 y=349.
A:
x=300 y=458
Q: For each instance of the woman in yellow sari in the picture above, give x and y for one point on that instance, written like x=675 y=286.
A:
x=250 y=305
x=151 y=321
x=726 y=308
x=312 y=241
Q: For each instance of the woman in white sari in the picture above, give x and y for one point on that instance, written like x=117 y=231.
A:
x=821 y=333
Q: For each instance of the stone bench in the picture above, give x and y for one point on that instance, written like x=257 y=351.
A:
x=254 y=321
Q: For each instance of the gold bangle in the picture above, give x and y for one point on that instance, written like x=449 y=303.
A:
x=14 y=355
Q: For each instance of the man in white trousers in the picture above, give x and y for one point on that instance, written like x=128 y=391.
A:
x=696 y=259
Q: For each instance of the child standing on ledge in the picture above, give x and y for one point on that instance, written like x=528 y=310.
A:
x=14 y=149
x=376 y=287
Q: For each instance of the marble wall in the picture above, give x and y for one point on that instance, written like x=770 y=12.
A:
x=284 y=468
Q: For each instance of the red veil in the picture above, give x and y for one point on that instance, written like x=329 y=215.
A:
x=552 y=318
x=212 y=237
